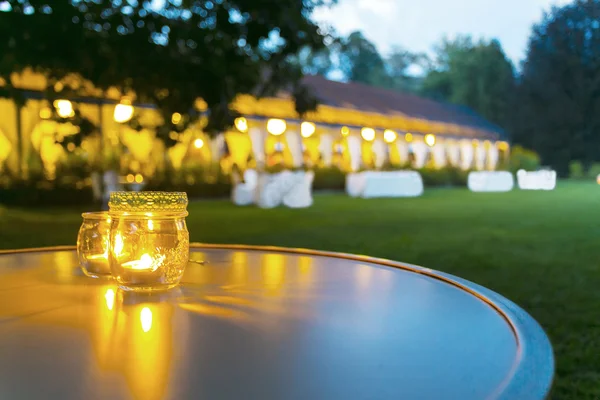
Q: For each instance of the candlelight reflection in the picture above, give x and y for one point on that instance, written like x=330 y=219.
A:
x=109 y=296
x=146 y=319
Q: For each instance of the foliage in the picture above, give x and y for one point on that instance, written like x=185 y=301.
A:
x=559 y=94
x=329 y=178
x=35 y=194
x=477 y=75
x=521 y=158
x=594 y=171
x=169 y=55
x=359 y=60
x=576 y=170
x=447 y=176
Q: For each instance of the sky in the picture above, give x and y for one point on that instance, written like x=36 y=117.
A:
x=418 y=25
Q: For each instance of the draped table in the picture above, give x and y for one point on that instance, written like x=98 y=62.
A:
x=263 y=323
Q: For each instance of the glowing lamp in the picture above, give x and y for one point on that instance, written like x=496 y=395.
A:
x=198 y=143
x=368 y=134
x=45 y=113
x=389 y=136
x=130 y=178
x=64 y=108
x=123 y=112
x=139 y=178
x=276 y=127
x=345 y=131
x=502 y=146
x=241 y=124
x=408 y=137
x=176 y=118
x=307 y=129
x=149 y=241
x=92 y=244
x=430 y=140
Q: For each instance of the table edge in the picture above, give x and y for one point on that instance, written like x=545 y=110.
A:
x=533 y=370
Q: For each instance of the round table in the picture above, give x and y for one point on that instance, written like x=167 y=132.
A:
x=263 y=323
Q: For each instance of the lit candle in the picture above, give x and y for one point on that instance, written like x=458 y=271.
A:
x=98 y=263
x=145 y=263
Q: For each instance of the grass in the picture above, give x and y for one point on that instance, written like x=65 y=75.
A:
x=539 y=249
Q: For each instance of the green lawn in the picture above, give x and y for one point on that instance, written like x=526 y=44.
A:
x=539 y=249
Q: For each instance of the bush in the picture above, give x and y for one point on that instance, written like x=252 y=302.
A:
x=29 y=194
x=433 y=177
x=594 y=171
x=521 y=158
x=576 y=170
x=329 y=178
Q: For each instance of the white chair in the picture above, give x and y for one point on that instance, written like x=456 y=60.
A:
x=490 y=181
x=300 y=194
x=244 y=193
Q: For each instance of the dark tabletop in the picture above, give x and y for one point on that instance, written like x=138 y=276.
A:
x=264 y=323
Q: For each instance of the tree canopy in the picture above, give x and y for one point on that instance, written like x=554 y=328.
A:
x=477 y=75
x=559 y=93
x=358 y=60
x=168 y=52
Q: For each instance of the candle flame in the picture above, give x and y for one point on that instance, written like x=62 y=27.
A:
x=146 y=262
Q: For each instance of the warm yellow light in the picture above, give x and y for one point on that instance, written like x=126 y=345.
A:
x=430 y=140
x=145 y=263
x=58 y=86
x=241 y=124
x=475 y=142
x=71 y=146
x=598 y=179
x=275 y=126
x=109 y=296
x=139 y=178
x=389 y=136
x=368 y=134
x=345 y=131
x=146 y=319
x=150 y=225
x=45 y=113
x=176 y=118
x=198 y=143
x=307 y=129
x=408 y=137
x=64 y=108
x=130 y=178
x=123 y=112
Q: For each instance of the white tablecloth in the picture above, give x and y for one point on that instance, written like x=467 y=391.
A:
x=490 y=181
x=370 y=184
x=538 y=180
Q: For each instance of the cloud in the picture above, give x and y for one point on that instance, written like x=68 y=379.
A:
x=418 y=26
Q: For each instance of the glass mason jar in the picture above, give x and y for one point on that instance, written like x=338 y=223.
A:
x=92 y=244
x=149 y=241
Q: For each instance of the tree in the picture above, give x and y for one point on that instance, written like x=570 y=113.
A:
x=360 y=61
x=168 y=55
x=559 y=93
x=398 y=65
x=477 y=75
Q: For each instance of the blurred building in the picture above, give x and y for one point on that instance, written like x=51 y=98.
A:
x=355 y=127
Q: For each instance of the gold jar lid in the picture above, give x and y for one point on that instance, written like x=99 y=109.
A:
x=133 y=202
